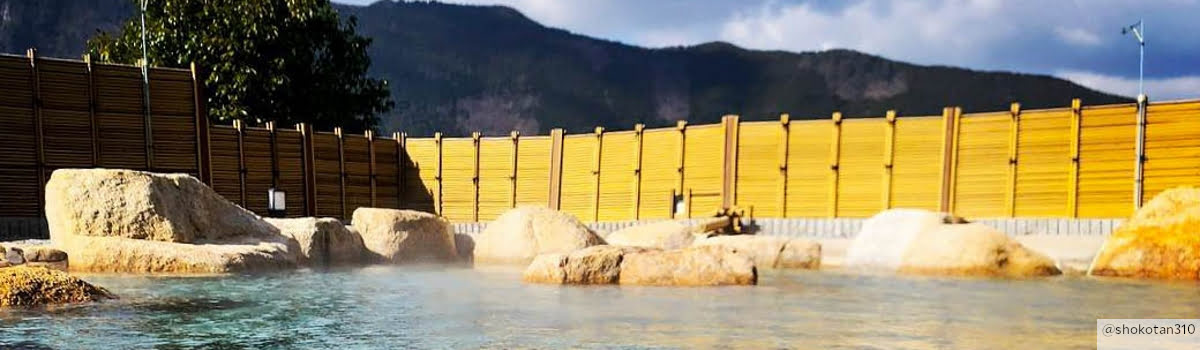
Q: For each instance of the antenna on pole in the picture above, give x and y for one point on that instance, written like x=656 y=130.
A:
x=1139 y=31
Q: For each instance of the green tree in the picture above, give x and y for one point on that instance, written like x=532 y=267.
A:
x=286 y=61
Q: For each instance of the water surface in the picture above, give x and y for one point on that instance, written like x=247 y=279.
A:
x=423 y=307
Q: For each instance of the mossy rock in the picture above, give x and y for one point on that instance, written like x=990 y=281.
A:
x=29 y=286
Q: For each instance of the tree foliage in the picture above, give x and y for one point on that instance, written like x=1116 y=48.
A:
x=287 y=61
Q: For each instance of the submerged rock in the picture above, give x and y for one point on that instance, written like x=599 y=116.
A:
x=523 y=233
x=402 y=236
x=669 y=234
x=1161 y=240
x=323 y=241
x=46 y=257
x=924 y=242
x=772 y=252
x=28 y=286
x=605 y=264
x=134 y=221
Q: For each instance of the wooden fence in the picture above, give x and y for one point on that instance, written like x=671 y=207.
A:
x=1075 y=161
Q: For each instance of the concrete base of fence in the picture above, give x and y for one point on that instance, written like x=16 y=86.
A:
x=847 y=228
x=12 y=229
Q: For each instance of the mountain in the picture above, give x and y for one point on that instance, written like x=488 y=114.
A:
x=462 y=68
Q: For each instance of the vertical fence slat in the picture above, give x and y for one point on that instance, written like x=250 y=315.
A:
x=401 y=168
x=784 y=134
x=556 y=153
x=596 y=173
x=95 y=125
x=241 y=135
x=948 y=146
x=1139 y=172
x=203 y=141
x=889 y=157
x=512 y=176
x=638 y=131
x=732 y=127
x=952 y=177
x=1014 y=134
x=147 y=121
x=835 y=153
x=437 y=195
x=475 y=144
x=341 y=149
x=38 y=137
x=682 y=127
x=1073 y=179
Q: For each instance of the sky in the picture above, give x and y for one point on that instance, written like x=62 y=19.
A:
x=1079 y=40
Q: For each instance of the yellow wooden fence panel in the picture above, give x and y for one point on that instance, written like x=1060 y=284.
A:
x=703 y=167
x=578 y=182
x=533 y=170
x=495 y=168
x=981 y=187
x=1107 y=146
x=1043 y=163
x=617 y=162
x=660 y=154
x=458 y=170
x=420 y=191
x=758 y=174
x=1172 y=146
x=860 y=167
x=809 y=144
x=917 y=163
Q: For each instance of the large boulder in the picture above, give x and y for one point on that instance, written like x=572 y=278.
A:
x=923 y=242
x=772 y=252
x=604 y=264
x=323 y=241
x=1161 y=240
x=142 y=205
x=669 y=234
x=134 y=221
x=27 y=286
x=522 y=233
x=403 y=236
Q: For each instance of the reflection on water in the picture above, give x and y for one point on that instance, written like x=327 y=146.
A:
x=391 y=307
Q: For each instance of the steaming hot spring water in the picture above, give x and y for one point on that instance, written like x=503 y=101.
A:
x=450 y=307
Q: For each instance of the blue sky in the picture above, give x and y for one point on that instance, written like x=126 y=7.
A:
x=1073 y=39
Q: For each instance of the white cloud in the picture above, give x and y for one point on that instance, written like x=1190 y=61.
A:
x=1077 y=36
x=1185 y=87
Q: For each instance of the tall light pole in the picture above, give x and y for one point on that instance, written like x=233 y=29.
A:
x=1139 y=31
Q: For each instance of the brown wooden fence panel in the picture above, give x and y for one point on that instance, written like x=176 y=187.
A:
x=66 y=117
x=259 y=164
x=172 y=108
x=387 y=179
x=327 y=164
x=290 y=157
x=120 y=116
x=358 y=172
x=225 y=163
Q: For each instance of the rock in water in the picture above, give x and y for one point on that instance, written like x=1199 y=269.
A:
x=604 y=264
x=924 y=242
x=1161 y=240
x=521 y=234
x=772 y=252
x=323 y=241
x=133 y=221
x=46 y=257
x=403 y=236
x=142 y=205
x=26 y=286
x=670 y=234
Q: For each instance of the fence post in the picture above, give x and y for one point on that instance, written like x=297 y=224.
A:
x=147 y=121
x=95 y=125
x=732 y=125
x=475 y=176
x=309 y=165
x=370 y=135
x=512 y=176
x=952 y=196
x=889 y=158
x=784 y=139
x=241 y=148
x=638 y=131
x=400 y=168
x=596 y=173
x=203 y=141
x=682 y=127
x=556 y=153
x=1014 y=135
x=835 y=155
x=437 y=194
x=274 y=155
x=38 y=136
x=948 y=146
x=1139 y=178
x=1073 y=189
x=341 y=169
